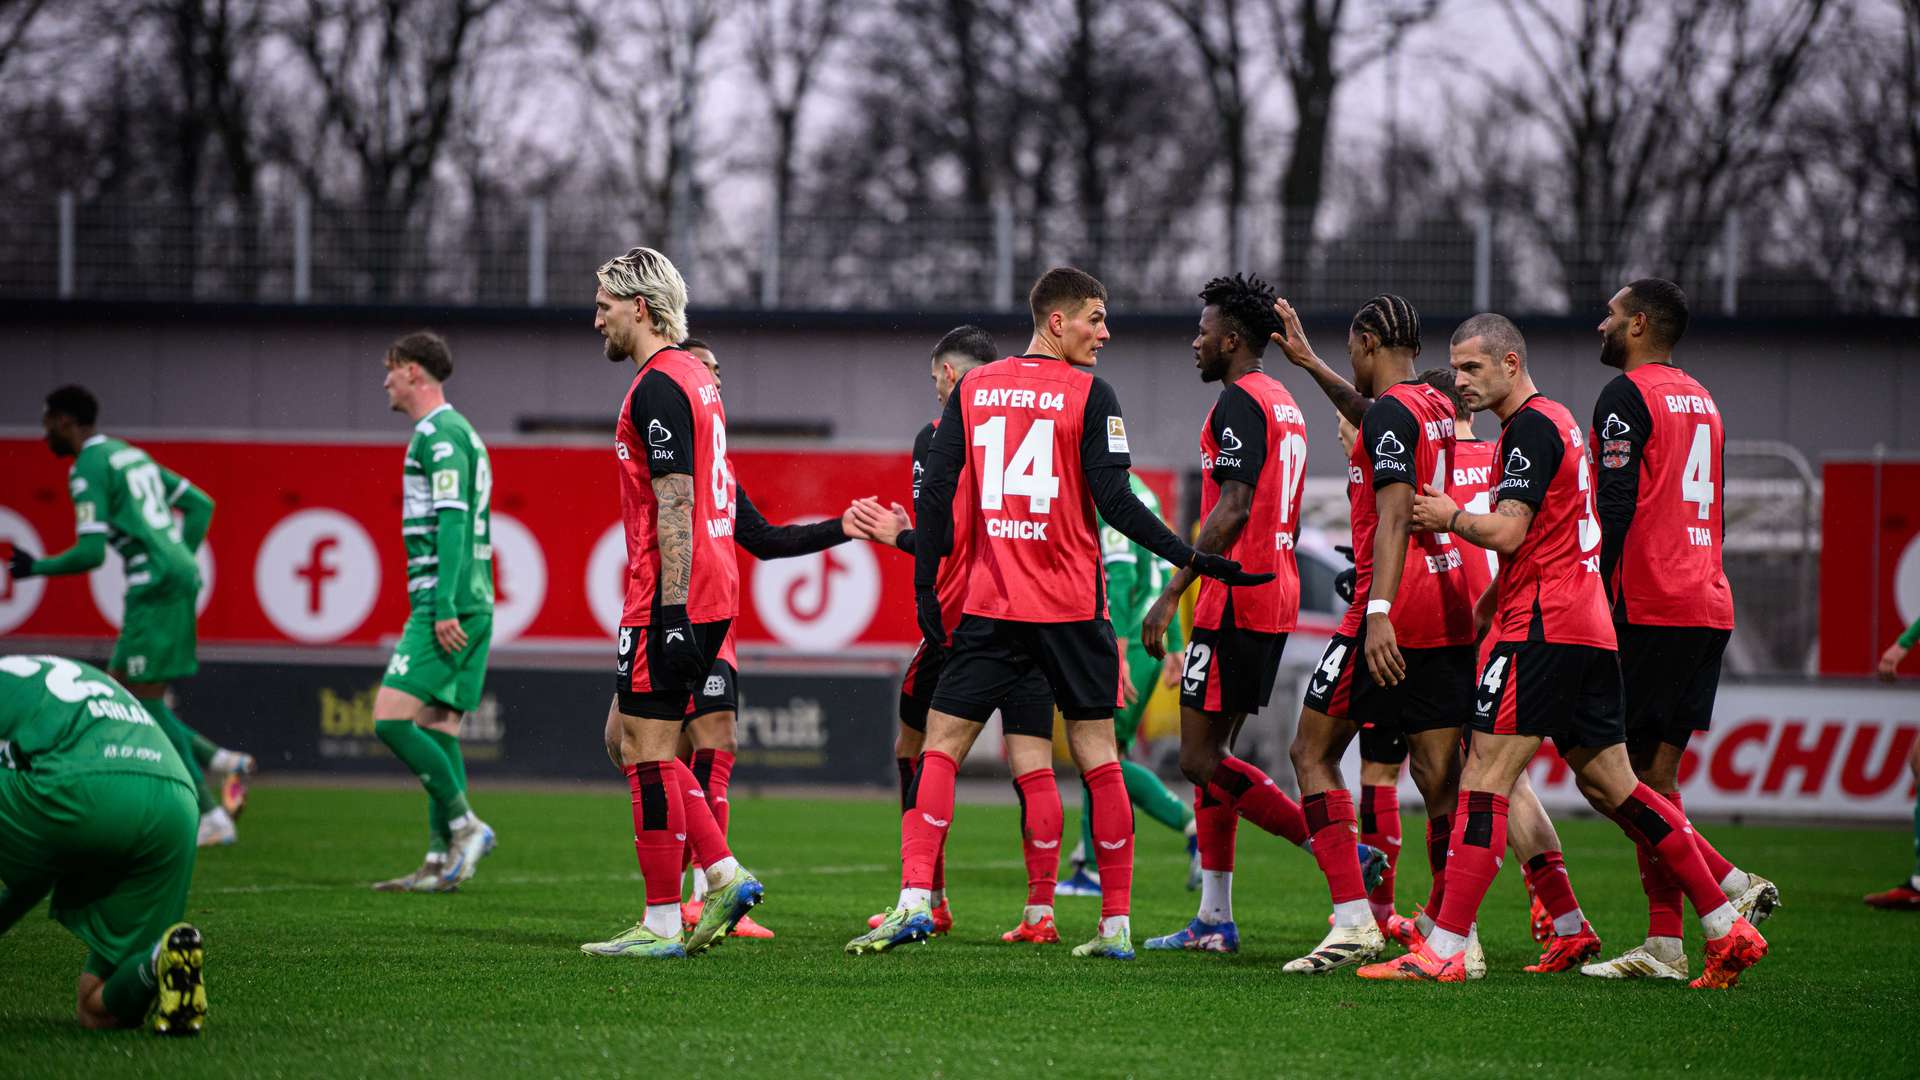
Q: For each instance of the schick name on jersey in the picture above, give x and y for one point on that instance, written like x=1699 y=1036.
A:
x=1690 y=403
x=993 y=397
x=1004 y=529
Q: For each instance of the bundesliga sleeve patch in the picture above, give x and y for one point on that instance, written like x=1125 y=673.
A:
x=446 y=484
x=1117 y=435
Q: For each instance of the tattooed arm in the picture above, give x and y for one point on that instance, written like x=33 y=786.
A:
x=1502 y=531
x=674 y=526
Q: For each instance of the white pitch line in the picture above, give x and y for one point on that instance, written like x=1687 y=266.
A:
x=580 y=879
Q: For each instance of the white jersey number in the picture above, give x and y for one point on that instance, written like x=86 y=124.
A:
x=150 y=491
x=1030 y=473
x=1293 y=473
x=1696 y=483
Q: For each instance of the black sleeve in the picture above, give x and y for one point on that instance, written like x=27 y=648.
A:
x=1239 y=426
x=1390 y=432
x=921 y=444
x=1120 y=508
x=933 y=510
x=1529 y=456
x=766 y=541
x=1621 y=424
x=1103 y=441
x=664 y=418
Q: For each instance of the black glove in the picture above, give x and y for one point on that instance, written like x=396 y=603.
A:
x=1344 y=549
x=1343 y=584
x=20 y=565
x=685 y=658
x=926 y=608
x=1210 y=565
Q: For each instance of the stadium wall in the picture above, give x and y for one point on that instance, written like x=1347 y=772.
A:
x=1824 y=386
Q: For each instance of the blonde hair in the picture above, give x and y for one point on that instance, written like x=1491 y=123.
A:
x=649 y=275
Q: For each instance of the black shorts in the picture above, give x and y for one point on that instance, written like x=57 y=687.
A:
x=998 y=663
x=1385 y=746
x=1568 y=693
x=916 y=687
x=719 y=693
x=1671 y=675
x=645 y=685
x=1230 y=670
x=1437 y=691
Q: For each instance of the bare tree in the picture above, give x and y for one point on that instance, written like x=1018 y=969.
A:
x=1213 y=30
x=16 y=19
x=787 y=41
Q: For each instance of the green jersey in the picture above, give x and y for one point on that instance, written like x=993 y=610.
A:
x=1135 y=575
x=60 y=718
x=446 y=517
x=122 y=493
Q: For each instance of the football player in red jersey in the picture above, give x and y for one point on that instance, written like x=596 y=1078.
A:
x=1552 y=671
x=1659 y=438
x=1253 y=450
x=683 y=590
x=1027 y=447
x=1028 y=728
x=1402 y=660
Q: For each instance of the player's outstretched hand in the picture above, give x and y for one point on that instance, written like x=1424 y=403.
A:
x=1210 y=565
x=20 y=563
x=867 y=519
x=450 y=636
x=1293 y=337
x=926 y=608
x=1433 y=510
x=682 y=651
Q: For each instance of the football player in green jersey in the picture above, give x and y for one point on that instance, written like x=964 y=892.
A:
x=124 y=498
x=1135 y=577
x=437 y=669
x=97 y=808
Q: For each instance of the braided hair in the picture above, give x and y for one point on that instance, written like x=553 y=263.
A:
x=1392 y=320
x=1246 y=304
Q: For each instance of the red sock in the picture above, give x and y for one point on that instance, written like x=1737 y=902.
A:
x=1331 y=819
x=1380 y=828
x=1547 y=873
x=704 y=835
x=713 y=771
x=1112 y=837
x=1252 y=795
x=659 y=823
x=1717 y=864
x=1479 y=842
x=1663 y=896
x=1041 y=820
x=1652 y=822
x=1439 y=835
x=1215 y=823
x=923 y=828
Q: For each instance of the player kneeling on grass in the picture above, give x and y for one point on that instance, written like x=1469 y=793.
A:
x=97 y=808
x=439 y=665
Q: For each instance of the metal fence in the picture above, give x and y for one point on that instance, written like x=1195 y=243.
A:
x=540 y=253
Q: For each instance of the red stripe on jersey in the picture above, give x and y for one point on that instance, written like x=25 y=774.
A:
x=1471 y=489
x=1550 y=588
x=713 y=592
x=1670 y=571
x=1027 y=546
x=1265 y=543
x=1432 y=607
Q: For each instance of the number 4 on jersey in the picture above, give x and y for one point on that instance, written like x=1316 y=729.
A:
x=1696 y=483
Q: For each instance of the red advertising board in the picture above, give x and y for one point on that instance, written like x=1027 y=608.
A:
x=1869 y=563
x=305 y=546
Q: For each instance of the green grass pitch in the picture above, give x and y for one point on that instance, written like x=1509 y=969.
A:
x=312 y=974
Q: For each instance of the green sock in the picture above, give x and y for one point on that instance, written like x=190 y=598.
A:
x=203 y=750
x=1152 y=797
x=410 y=744
x=1086 y=821
x=130 y=990
x=182 y=736
x=442 y=834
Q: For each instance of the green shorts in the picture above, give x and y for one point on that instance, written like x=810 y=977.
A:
x=1144 y=670
x=421 y=669
x=157 y=636
x=116 y=849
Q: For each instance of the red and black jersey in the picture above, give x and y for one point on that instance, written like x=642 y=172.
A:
x=672 y=423
x=1406 y=437
x=1472 y=488
x=1254 y=434
x=952 y=583
x=1550 y=587
x=1660 y=443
